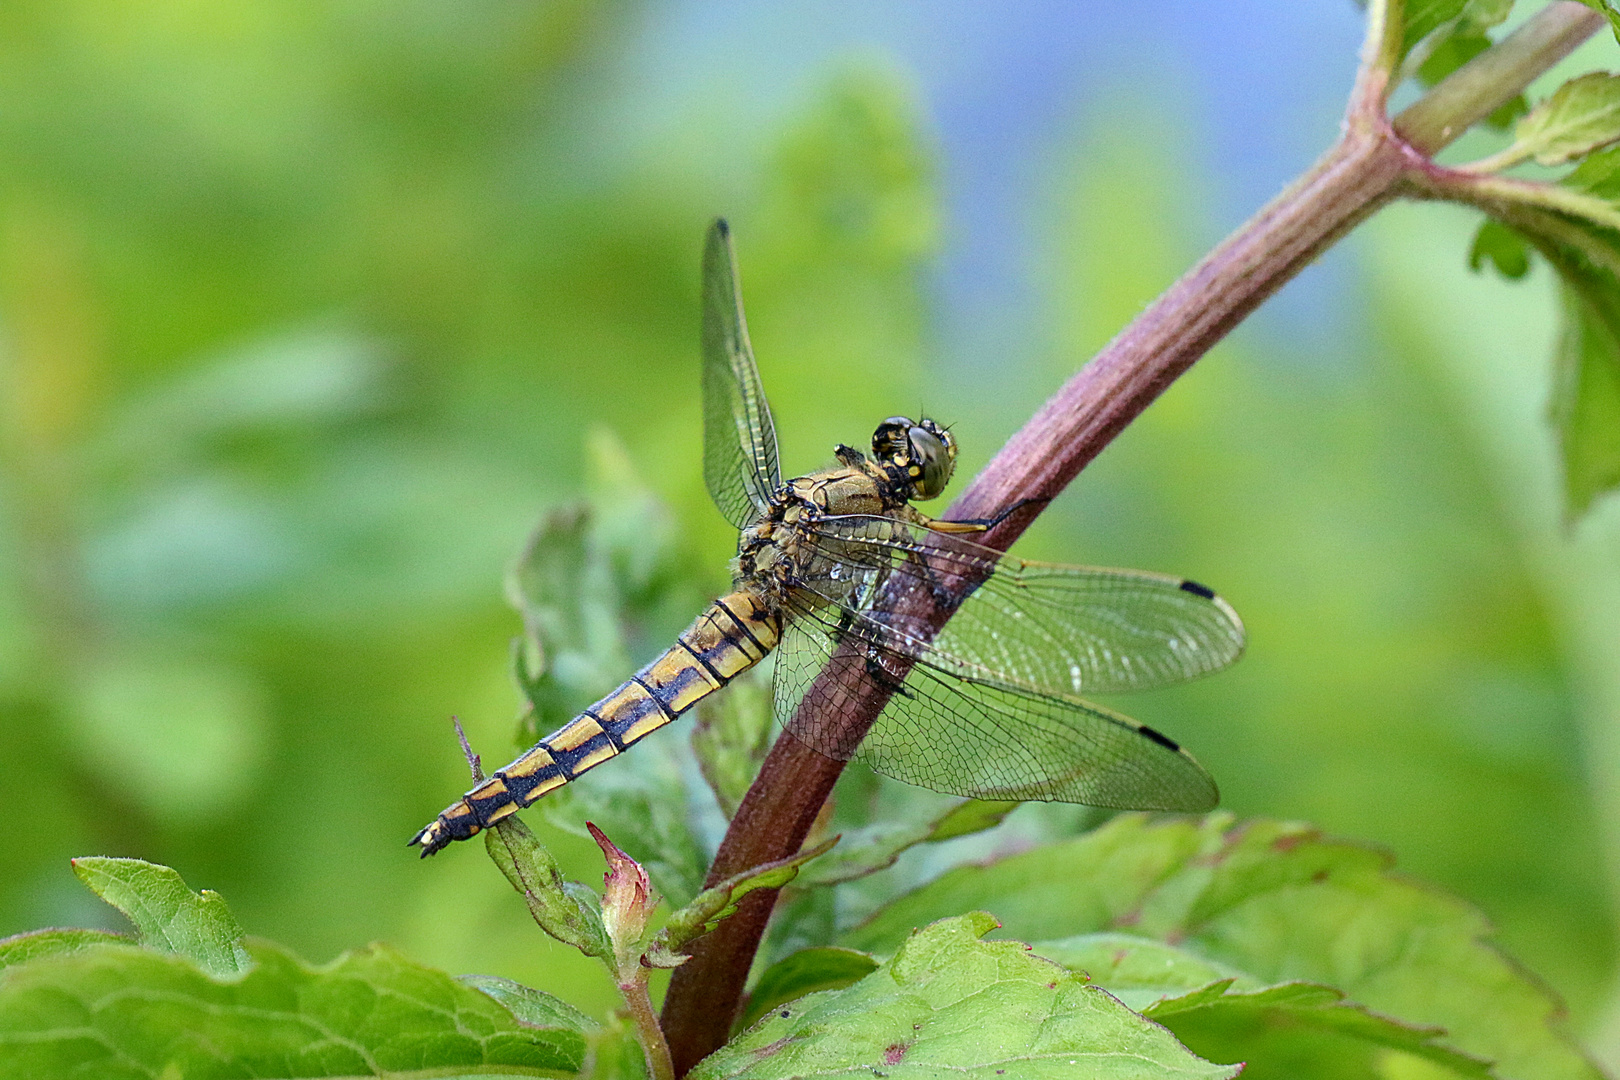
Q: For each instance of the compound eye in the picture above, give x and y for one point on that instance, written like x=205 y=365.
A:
x=933 y=457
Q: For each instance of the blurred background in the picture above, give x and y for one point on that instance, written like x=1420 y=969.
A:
x=309 y=310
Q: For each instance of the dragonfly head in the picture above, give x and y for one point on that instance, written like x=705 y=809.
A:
x=920 y=451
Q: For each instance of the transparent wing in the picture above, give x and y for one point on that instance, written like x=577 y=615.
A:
x=1064 y=629
x=953 y=728
x=739 y=438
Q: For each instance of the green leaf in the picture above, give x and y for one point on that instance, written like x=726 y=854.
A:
x=168 y=915
x=616 y=1052
x=719 y=902
x=587 y=576
x=1598 y=174
x=950 y=1004
x=1453 y=42
x=568 y=914
x=1424 y=17
x=854 y=183
x=1278 y=903
x=872 y=848
x=533 y=1007
x=1502 y=248
x=21 y=948
x=1581 y=116
x=732 y=735
x=1585 y=404
x=125 y=1011
x=571 y=649
x=1449 y=55
x=807 y=971
x=1217 y=1009
x=970 y=816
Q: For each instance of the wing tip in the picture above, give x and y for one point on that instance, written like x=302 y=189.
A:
x=1197 y=588
x=1159 y=737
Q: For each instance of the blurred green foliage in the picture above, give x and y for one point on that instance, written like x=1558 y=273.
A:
x=307 y=311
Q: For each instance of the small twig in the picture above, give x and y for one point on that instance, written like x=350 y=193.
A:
x=474 y=762
x=654 y=1047
x=1496 y=76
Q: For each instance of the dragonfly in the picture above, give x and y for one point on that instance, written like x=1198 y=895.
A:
x=840 y=561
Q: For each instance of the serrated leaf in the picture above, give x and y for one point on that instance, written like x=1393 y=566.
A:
x=1598 y=174
x=37 y=944
x=1139 y=971
x=569 y=915
x=807 y=971
x=948 y=1003
x=533 y=1007
x=1585 y=404
x=168 y=915
x=587 y=575
x=126 y=1011
x=571 y=649
x=1580 y=116
x=1278 y=903
x=1168 y=983
x=1502 y=248
x=872 y=848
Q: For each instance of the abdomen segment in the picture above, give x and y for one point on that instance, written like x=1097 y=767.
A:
x=730 y=637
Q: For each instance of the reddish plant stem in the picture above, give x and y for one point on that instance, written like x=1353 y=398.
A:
x=1361 y=173
x=1072 y=428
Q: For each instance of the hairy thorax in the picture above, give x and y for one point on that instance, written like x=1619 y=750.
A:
x=778 y=551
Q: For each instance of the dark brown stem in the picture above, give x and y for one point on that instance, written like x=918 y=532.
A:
x=1362 y=172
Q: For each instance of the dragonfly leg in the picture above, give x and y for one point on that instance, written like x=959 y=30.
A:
x=984 y=524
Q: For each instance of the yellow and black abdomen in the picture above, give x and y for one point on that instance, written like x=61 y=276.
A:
x=730 y=637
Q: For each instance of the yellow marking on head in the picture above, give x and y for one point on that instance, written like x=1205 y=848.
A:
x=576 y=733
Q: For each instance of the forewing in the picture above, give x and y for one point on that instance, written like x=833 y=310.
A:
x=1068 y=629
x=739 y=438
x=948 y=729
